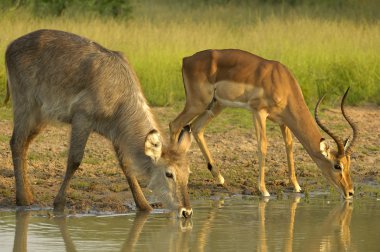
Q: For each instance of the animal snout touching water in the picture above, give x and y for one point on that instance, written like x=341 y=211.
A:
x=59 y=76
x=186 y=212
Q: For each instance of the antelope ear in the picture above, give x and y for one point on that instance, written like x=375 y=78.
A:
x=153 y=145
x=346 y=143
x=324 y=147
x=184 y=140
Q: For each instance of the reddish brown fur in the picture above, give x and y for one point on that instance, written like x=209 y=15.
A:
x=215 y=79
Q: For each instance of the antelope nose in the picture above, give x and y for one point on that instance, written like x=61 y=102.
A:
x=351 y=193
x=186 y=212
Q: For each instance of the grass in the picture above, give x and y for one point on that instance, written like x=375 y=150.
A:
x=5 y=112
x=4 y=138
x=82 y=185
x=326 y=53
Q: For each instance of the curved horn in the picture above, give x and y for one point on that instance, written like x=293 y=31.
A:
x=337 y=140
x=350 y=122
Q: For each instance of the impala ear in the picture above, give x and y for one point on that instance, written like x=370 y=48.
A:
x=324 y=148
x=184 y=140
x=153 y=145
x=346 y=143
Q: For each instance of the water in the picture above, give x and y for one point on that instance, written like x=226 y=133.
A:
x=233 y=224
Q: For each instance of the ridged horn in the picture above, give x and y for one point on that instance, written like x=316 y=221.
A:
x=337 y=139
x=351 y=123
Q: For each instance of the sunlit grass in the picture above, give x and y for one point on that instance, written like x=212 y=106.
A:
x=325 y=55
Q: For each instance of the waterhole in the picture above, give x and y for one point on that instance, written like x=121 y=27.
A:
x=231 y=224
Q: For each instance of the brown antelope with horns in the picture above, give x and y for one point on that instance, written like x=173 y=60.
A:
x=215 y=79
x=59 y=76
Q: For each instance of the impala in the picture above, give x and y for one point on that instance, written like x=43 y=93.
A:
x=215 y=79
x=59 y=76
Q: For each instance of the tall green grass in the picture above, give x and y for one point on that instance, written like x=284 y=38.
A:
x=325 y=53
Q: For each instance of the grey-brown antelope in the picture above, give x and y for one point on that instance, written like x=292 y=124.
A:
x=215 y=79
x=55 y=75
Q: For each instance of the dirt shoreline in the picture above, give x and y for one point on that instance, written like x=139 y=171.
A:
x=99 y=184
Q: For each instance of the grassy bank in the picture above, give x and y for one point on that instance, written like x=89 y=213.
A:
x=324 y=53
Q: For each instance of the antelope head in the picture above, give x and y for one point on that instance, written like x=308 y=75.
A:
x=170 y=174
x=337 y=167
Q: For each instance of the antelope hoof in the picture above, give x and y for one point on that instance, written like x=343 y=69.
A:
x=297 y=189
x=265 y=193
x=59 y=206
x=220 y=179
x=24 y=199
x=146 y=207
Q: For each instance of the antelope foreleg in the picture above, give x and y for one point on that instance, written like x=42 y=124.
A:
x=259 y=119
x=140 y=200
x=287 y=135
x=198 y=128
x=141 y=203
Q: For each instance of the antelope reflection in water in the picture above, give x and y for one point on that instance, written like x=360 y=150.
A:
x=262 y=240
x=325 y=239
x=175 y=234
x=205 y=230
x=21 y=232
x=147 y=232
x=337 y=222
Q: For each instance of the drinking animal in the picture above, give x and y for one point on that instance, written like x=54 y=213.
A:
x=216 y=79
x=59 y=76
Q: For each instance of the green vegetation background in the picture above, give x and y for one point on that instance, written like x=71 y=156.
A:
x=328 y=45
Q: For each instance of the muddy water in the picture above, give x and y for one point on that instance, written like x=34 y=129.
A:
x=233 y=224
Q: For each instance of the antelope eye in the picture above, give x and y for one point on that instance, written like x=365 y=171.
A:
x=338 y=166
x=169 y=175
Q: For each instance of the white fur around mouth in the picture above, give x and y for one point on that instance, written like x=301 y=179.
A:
x=182 y=210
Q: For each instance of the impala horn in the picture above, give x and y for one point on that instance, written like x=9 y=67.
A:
x=351 y=123
x=337 y=139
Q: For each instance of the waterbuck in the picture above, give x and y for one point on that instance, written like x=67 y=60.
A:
x=59 y=76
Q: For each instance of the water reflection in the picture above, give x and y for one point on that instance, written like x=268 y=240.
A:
x=333 y=234
x=134 y=233
x=21 y=231
x=274 y=225
x=288 y=244
x=207 y=225
x=174 y=236
x=61 y=222
x=335 y=230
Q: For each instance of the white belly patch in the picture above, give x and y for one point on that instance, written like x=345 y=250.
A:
x=237 y=95
x=233 y=104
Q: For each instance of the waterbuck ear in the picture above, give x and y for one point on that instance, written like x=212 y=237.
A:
x=184 y=140
x=324 y=147
x=153 y=145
